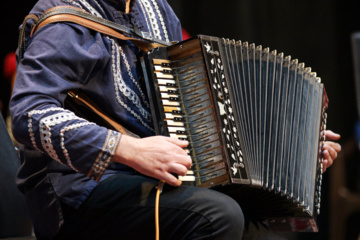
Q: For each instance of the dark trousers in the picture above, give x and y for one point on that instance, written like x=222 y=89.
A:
x=123 y=207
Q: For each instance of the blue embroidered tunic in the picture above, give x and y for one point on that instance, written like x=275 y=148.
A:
x=72 y=154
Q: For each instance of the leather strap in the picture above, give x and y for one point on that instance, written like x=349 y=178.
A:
x=81 y=99
x=75 y=15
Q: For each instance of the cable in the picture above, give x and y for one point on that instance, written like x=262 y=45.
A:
x=159 y=188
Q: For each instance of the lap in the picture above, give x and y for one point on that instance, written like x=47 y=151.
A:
x=123 y=206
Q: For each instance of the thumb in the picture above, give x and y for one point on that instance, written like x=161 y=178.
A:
x=330 y=135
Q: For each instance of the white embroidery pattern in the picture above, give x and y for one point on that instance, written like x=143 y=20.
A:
x=161 y=20
x=90 y=8
x=99 y=7
x=30 y=126
x=62 y=140
x=145 y=16
x=153 y=21
x=120 y=86
x=45 y=130
x=76 y=4
x=132 y=77
x=125 y=106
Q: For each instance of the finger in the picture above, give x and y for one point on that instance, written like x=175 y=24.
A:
x=334 y=145
x=332 y=152
x=184 y=160
x=178 y=142
x=328 y=160
x=325 y=165
x=180 y=150
x=178 y=169
x=171 y=180
x=330 y=135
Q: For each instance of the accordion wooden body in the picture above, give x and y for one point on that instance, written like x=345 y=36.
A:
x=254 y=120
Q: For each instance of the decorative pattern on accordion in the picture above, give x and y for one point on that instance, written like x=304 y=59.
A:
x=228 y=126
x=321 y=161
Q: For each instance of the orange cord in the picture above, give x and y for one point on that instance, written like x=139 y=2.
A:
x=157 y=201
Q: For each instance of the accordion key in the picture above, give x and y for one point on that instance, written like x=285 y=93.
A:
x=255 y=122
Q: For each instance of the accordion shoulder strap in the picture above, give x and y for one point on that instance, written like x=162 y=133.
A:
x=81 y=99
x=142 y=40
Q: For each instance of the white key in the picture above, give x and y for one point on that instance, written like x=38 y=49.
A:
x=162 y=75
x=173 y=123
x=161 y=68
x=167 y=96
x=170 y=103
x=187 y=178
x=175 y=129
x=173 y=135
x=166 y=89
x=165 y=81
x=172 y=116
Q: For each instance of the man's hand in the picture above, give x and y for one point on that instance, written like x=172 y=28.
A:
x=330 y=149
x=156 y=157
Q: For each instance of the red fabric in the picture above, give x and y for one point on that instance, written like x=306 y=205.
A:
x=9 y=65
x=185 y=34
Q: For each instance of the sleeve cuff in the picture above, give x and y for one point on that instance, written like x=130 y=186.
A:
x=107 y=153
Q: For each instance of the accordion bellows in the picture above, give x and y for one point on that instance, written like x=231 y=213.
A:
x=254 y=119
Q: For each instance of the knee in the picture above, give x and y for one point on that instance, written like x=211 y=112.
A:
x=213 y=214
x=227 y=219
x=231 y=213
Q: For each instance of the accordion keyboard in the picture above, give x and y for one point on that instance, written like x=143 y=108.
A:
x=188 y=114
x=171 y=101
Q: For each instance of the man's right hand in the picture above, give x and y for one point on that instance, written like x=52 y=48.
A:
x=158 y=157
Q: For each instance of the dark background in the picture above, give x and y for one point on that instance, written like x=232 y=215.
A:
x=315 y=32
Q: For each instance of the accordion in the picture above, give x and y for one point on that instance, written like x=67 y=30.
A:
x=255 y=122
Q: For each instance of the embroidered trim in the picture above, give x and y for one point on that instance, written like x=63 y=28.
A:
x=132 y=77
x=145 y=16
x=153 y=20
x=62 y=140
x=108 y=151
x=161 y=20
x=30 y=126
x=120 y=86
x=77 y=5
x=45 y=130
x=99 y=6
x=90 y=8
